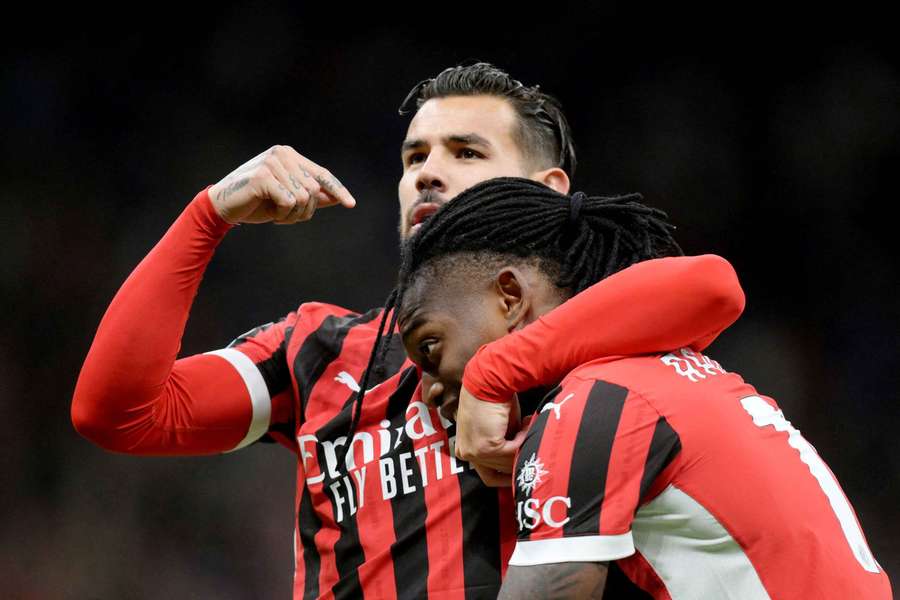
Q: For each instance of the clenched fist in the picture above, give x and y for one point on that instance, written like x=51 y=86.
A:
x=488 y=435
x=280 y=185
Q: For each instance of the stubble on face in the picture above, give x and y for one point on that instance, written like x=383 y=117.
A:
x=429 y=199
x=436 y=125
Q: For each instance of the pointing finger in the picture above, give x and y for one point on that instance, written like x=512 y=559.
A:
x=329 y=184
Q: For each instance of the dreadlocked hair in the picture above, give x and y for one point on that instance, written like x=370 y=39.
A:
x=577 y=240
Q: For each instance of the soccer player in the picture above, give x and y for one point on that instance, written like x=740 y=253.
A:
x=665 y=462
x=384 y=509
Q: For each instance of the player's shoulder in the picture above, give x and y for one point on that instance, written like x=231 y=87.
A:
x=309 y=317
x=648 y=372
x=334 y=327
x=626 y=371
x=333 y=315
x=324 y=309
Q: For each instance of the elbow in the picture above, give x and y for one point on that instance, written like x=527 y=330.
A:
x=86 y=419
x=92 y=422
x=722 y=289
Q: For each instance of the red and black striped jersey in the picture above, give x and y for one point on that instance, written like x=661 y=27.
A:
x=694 y=483
x=400 y=517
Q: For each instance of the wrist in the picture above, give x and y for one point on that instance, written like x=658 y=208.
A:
x=221 y=213
x=208 y=216
x=481 y=379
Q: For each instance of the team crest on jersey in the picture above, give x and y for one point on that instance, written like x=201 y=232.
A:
x=531 y=474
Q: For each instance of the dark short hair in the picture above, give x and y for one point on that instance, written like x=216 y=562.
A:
x=543 y=133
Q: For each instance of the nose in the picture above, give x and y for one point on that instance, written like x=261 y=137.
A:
x=432 y=391
x=431 y=175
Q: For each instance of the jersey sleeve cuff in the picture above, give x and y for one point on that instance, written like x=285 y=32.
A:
x=591 y=548
x=260 y=400
x=481 y=379
x=207 y=217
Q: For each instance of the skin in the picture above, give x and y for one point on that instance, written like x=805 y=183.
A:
x=455 y=142
x=279 y=186
x=559 y=581
x=441 y=333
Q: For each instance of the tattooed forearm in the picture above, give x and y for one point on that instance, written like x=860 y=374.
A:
x=558 y=581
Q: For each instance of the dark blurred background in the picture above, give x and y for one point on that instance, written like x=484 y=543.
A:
x=776 y=146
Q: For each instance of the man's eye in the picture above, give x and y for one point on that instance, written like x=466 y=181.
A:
x=468 y=153
x=415 y=157
x=426 y=348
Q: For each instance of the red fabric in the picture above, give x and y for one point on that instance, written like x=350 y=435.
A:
x=443 y=525
x=558 y=438
x=626 y=466
x=132 y=395
x=684 y=430
x=654 y=305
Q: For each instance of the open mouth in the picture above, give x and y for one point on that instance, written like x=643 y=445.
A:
x=423 y=212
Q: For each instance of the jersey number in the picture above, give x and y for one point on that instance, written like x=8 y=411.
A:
x=765 y=414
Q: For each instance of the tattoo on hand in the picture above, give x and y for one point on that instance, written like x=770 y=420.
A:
x=295 y=182
x=331 y=184
x=232 y=188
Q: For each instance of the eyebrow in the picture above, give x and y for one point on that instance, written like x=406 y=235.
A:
x=465 y=138
x=412 y=326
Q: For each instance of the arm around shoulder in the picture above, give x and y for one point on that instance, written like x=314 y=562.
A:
x=652 y=306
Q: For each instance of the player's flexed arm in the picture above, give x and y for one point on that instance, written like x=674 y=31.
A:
x=132 y=394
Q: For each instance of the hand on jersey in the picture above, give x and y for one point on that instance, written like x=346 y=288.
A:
x=280 y=185
x=488 y=435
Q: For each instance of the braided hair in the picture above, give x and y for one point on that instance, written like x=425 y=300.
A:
x=577 y=240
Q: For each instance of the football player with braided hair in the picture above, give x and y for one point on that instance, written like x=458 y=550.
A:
x=678 y=471
x=385 y=510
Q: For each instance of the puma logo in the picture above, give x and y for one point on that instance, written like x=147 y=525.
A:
x=556 y=406
x=347 y=379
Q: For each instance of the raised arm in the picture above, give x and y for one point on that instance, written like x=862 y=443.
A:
x=132 y=394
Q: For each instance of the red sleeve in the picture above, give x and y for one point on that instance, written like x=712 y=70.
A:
x=133 y=395
x=655 y=305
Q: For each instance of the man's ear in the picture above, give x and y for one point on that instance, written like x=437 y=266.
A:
x=554 y=178
x=512 y=294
